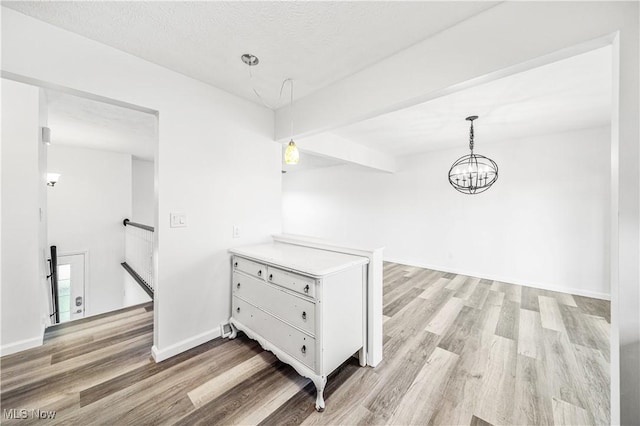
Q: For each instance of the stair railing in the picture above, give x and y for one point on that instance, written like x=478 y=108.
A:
x=139 y=254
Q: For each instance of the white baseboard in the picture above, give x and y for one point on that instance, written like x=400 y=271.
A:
x=22 y=345
x=542 y=286
x=185 y=345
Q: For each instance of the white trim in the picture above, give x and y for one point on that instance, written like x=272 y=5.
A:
x=184 y=345
x=74 y=92
x=534 y=284
x=614 y=260
x=22 y=345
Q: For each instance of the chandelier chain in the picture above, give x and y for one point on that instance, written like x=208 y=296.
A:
x=471 y=137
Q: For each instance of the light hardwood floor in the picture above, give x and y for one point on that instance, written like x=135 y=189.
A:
x=457 y=350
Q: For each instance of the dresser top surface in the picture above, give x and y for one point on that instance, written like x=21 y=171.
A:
x=308 y=260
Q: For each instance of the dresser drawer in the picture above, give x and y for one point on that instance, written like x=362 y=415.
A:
x=279 y=334
x=289 y=308
x=299 y=283
x=249 y=267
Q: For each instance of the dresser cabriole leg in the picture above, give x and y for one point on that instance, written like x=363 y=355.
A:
x=320 y=383
x=234 y=332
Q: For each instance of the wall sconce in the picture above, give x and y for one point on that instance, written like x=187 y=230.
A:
x=52 y=178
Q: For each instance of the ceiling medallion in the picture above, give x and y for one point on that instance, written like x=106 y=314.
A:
x=250 y=59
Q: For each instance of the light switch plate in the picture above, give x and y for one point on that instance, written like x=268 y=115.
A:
x=178 y=220
x=236 y=231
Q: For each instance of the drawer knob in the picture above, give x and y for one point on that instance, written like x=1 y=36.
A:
x=306 y=288
x=270 y=277
x=238 y=309
x=260 y=273
x=235 y=264
x=304 y=316
x=303 y=349
x=238 y=285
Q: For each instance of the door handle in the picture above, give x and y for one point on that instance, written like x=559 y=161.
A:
x=79 y=302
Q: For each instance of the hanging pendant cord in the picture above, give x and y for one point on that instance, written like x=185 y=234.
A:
x=290 y=101
x=265 y=103
x=471 y=137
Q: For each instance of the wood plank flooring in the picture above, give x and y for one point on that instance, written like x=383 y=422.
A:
x=457 y=351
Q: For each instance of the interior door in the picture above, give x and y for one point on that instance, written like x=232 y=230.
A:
x=71 y=287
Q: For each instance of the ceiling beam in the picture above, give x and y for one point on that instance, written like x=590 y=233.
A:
x=472 y=52
x=330 y=145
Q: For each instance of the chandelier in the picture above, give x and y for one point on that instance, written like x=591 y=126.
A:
x=473 y=173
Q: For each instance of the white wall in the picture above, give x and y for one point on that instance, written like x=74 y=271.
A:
x=544 y=223
x=216 y=161
x=143 y=196
x=24 y=293
x=86 y=208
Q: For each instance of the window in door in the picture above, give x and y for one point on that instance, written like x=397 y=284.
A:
x=71 y=287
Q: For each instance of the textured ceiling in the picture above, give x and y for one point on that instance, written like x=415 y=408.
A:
x=571 y=94
x=315 y=43
x=86 y=123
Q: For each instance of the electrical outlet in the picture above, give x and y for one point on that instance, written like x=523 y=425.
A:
x=236 y=231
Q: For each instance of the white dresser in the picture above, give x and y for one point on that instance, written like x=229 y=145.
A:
x=305 y=305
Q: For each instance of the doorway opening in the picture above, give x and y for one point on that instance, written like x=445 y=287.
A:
x=103 y=155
